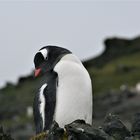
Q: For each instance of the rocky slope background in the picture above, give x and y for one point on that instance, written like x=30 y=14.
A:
x=115 y=76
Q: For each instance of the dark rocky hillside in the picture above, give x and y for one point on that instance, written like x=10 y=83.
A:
x=114 y=48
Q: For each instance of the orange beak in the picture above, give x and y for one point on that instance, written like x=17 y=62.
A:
x=37 y=72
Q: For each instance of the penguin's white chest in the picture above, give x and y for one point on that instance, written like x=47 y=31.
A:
x=74 y=91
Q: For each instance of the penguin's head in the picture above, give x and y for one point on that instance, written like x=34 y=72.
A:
x=47 y=57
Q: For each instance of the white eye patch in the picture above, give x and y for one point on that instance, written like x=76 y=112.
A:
x=44 y=52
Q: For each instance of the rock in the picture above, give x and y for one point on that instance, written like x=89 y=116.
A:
x=3 y=135
x=79 y=130
x=55 y=132
x=115 y=128
x=112 y=129
x=129 y=138
x=136 y=125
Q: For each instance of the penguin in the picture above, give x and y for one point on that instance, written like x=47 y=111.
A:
x=65 y=90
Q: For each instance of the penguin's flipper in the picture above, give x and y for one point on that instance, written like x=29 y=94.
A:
x=44 y=104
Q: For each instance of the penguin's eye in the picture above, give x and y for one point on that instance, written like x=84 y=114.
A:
x=38 y=60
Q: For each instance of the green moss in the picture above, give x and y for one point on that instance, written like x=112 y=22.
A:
x=110 y=77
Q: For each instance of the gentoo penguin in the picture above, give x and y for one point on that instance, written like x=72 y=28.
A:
x=65 y=91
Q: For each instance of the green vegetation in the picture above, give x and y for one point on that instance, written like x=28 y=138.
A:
x=123 y=70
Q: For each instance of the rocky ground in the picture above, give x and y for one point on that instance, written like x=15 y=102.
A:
x=124 y=103
x=111 y=129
